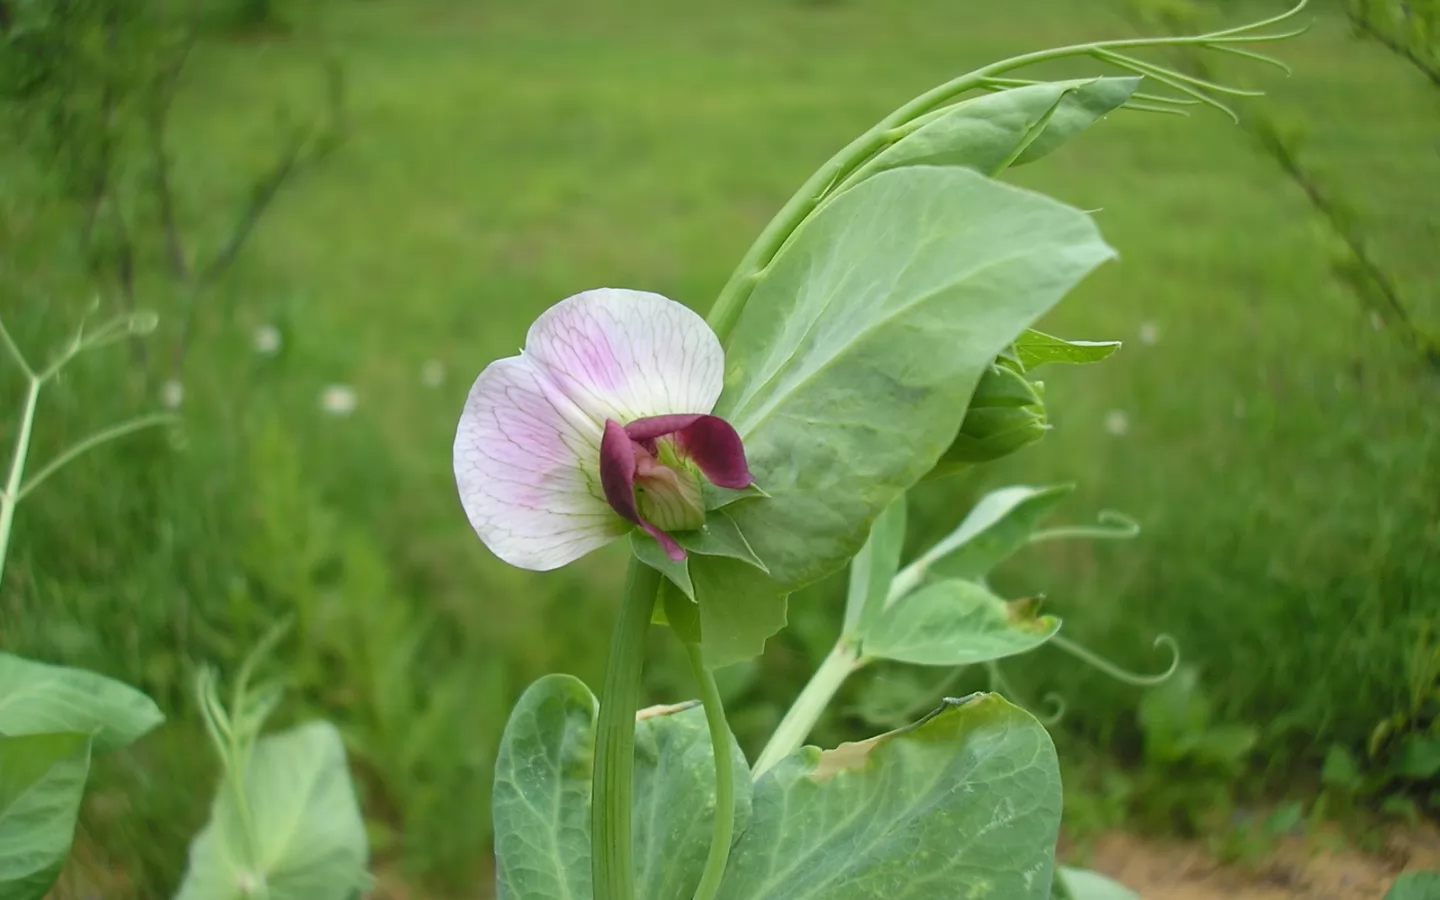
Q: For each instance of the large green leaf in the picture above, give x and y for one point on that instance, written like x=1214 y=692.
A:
x=956 y=623
x=964 y=804
x=42 y=778
x=1422 y=885
x=849 y=370
x=298 y=830
x=1000 y=524
x=873 y=568
x=1083 y=884
x=38 y=698
x=542 y=796
x=1006 y=128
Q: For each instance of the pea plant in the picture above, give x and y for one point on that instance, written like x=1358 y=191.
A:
x=877 y=334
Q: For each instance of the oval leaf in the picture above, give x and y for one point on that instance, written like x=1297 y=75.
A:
x=964 y=804
x=873 y=568
x=308 y=837
x=38 y=698
x=1006 y=128
x=1000 y=524
x=850 y=367
x=42 y=778
x=740 y=607
x=956 y=623
x=542 y=796
x=1035 y=348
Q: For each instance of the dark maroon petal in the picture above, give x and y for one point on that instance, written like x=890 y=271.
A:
x=617 y=471
x=716 y=448
x=648 y=429
x=617 y=479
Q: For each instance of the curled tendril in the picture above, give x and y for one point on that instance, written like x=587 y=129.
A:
x=1000 y=684
x=1191 y=90
x=1091 y=658
x=1111 y=525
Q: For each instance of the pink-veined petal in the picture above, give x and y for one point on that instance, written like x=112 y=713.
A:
x=625 y=355
x=527 y=468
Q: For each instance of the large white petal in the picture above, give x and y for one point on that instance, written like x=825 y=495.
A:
x=527 y=466
x=625 y=355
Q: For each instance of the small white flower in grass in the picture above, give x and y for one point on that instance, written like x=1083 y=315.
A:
x=338 y=399
x=172 y=394
x=267 y=340
x=1149 y=332
x=600 y=425
x=1117 y=422
x=1377 y=321
x=432 y=374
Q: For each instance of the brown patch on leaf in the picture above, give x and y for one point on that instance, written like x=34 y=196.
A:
x=851 y=756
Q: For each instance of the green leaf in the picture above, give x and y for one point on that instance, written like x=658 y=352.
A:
x=956 y=623
x=542 y=796
x=1000 y=524
x=1003 y=129
x=542 y=793
x=850 y=368
x=298 y=831
x=38 y=698
x=720 y=536
x=740 y=608
x=42 y=778
x=1423 y=885
x=1083 y=884
x=1419 y=757
x=649 y=552
x=1034 y=349
x=964 y=804
x=874 y=567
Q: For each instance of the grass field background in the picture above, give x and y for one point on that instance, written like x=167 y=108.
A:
x=1281 y=451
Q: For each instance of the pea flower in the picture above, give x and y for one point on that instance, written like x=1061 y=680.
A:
x=601 y=424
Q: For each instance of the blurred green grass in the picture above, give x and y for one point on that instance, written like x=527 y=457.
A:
x=1282 y=453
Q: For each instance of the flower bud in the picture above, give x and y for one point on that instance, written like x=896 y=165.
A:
x=1006 y=413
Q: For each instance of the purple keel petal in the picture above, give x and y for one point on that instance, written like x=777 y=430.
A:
x=716 y=448
x=617 y=476
x=710 y=441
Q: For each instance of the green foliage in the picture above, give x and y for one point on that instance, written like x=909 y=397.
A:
x=1008 y=128
x=1415 y=886
x=983 y=767
x=918 y=263
x=289 y=826
x=542 y=796
x=42 y=777
x=36 y=698
x=1190 y=759
x=955 y=623
x=1083 y=884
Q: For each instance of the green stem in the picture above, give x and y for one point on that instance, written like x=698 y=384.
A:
x=90 y=443
x=798 y=722
x=612 y=862
x=731 y=301
x=11 y=498
x=723 y=829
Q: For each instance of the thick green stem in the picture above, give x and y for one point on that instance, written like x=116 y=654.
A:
x=801 y=718
x=611 y=860
x=11 y=498
x=723 y=829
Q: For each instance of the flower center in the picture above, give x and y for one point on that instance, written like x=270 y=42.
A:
x=650 y=471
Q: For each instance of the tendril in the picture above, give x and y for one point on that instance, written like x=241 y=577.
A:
x=1091 y=658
